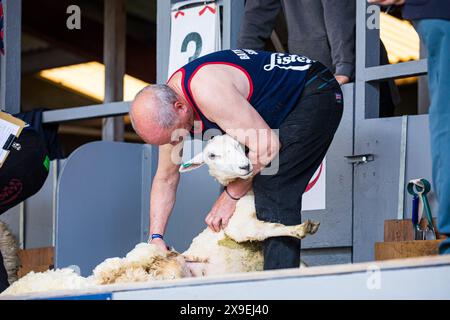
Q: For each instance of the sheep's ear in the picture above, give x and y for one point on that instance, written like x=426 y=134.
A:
x=194 y=163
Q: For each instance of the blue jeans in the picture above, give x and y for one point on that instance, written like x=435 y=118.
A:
x=435 y=34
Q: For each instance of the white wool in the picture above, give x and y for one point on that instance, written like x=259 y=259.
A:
x=144 y=253
x=144 y=263
x=223 y=255
x=59 y=279
x=108 y=270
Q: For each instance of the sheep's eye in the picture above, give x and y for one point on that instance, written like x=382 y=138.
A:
x=211 y=156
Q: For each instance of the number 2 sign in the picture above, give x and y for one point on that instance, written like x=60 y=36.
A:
x=194 y=33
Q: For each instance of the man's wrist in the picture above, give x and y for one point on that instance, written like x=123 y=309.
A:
x=156 y=236
x=230 y=195
x=238 y=189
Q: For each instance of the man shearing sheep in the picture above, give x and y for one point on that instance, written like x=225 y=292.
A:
x=292 y=103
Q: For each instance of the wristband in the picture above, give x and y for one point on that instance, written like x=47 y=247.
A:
x=157 y=236
x=235 y=199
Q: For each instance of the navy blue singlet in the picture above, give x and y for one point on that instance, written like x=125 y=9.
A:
x=276 y=81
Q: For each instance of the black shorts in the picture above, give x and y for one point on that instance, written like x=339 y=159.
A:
x=305 y=136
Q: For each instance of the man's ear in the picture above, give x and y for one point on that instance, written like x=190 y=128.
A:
x=194 y=163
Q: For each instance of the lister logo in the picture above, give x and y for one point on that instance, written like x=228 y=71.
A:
x=288 y=61
x=11 y=191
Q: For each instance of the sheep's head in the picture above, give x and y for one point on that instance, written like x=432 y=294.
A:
x=225 y=158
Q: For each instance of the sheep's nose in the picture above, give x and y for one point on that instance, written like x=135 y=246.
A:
x=246 y=167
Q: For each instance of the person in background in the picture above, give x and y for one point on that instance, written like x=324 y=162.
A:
x=323 y=30
x=431 y=19
x=27 y=167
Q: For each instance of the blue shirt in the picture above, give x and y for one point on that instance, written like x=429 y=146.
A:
x=426 y=9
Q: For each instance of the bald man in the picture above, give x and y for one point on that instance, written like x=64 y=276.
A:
x=292 y=103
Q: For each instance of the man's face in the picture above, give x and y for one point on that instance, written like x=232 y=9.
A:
x=151 y=131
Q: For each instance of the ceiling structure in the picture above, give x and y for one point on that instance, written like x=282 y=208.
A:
x=47 y=43
x=51 y=51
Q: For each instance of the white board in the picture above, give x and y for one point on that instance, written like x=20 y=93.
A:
x=194 y=32
x=314 y=197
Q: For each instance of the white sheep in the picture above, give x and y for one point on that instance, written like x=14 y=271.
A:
x=145 y=262
x=237 y=247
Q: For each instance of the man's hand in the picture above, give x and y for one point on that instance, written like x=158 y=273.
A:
x=221 y=212
x=387 y=2
x=342 y=79
x=160 y=243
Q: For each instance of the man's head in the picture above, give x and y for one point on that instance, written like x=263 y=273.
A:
x=157 y=111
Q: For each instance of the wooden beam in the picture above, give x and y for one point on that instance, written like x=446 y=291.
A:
x=114 y=60
x=33 y=62
x=406 y=249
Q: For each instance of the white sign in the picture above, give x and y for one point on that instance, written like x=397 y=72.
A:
x=314 y=197
x=194 y=33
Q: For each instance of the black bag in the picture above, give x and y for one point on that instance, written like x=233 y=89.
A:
x=25 y=170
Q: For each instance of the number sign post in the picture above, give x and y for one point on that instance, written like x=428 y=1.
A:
x=194 y=33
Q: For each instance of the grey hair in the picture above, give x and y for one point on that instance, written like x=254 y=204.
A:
x=165 y=114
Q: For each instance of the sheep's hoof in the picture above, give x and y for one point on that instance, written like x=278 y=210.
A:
x=308 y=227
x=312 y=226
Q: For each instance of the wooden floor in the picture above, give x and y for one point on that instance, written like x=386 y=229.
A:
x=415 y=278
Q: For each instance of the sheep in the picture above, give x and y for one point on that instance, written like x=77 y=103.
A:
x=236 y=248
x=145 y=262
x=10 y=251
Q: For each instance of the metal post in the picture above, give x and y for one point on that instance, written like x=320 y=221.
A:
x=367 y=55
x=114 y=60
x=423 y=96
x=162 y=39
x=54 y=175
x=233 y=12
x=10 y=62
x=360 y=85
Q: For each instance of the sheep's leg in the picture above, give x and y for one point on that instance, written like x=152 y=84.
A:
x=264 y=230
x=279 y=230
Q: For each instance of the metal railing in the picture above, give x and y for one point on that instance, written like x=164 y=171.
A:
x=369 y=72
